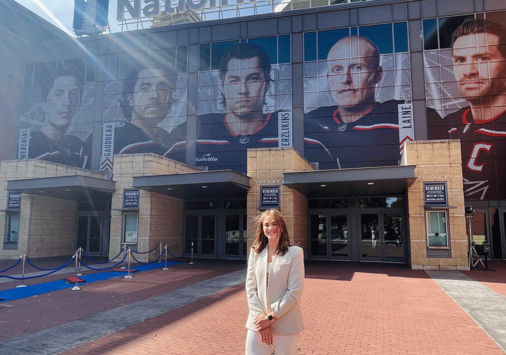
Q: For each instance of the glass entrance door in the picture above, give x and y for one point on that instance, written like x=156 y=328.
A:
x=479 y=228
x=89 y=233
x=329 y=236
x=393 y=237
x=201 y=231
x=235 y=236
x=370 y=245
x=382 y=237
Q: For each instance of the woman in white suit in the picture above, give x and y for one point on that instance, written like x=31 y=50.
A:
x=274 y=286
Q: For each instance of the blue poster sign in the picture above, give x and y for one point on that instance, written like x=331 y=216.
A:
x=14 y=202
x=131 y=199
x=435 y=193
x=269 y=197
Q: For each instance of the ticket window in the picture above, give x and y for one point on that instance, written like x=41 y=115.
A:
x=12 y=231
x=437 y=226
x=130 y=227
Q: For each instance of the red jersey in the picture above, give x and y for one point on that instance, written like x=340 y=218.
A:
x=483 y=153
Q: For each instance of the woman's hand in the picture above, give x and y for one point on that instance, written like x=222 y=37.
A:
x=262 y=322
x=266 y=336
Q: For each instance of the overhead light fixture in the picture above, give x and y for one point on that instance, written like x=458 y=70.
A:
x=323 y=185
x=204 y=186
x=169 y=188
x=68 y=190
x=370 y=183
x=41 y=191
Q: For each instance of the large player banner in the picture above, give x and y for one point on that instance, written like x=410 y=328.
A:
x=143 y=101
x=357 y=103
x=55 y=120
x=465 y=75
x=244 y=100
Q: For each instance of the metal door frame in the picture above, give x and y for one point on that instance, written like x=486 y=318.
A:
x=243 y=218
x=328 y=213
x=199 y=214
x=381 y=231
x=354 y=233
x=103 y=244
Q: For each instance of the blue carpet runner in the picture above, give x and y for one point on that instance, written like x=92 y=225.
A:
x=34 y=290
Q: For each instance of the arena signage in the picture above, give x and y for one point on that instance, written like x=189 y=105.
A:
x=153 y=8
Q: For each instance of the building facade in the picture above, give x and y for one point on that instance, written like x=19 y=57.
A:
x=371 y=125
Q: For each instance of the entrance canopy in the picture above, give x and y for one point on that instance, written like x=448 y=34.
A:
x=76 y=188
x=198 y=185
x=390 y=180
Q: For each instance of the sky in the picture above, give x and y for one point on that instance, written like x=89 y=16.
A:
x=61 y=13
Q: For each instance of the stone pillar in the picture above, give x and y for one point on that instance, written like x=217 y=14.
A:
x=160 y=216
x=436 y=161
x=266 y=167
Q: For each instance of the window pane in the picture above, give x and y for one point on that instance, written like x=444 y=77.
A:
x=327 y=39
x=446 y=28
x=130 y=228
x=381 y=35
x=437 y=229
x=401 y=37
x=13 y=227
x=309 y=46
x=269 y=45
x=430 y=34
x=284 y=49
x=205 y=57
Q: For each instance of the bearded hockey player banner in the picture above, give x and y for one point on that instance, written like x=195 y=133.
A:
x=465 y=75
x=357 y=100
x=145 y=101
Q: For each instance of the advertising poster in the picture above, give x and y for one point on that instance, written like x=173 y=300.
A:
x=56 y=118
x=465 y=75
x=145 y=100
x=244 y=101
x=357 y=103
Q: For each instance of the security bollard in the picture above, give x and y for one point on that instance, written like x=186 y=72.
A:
x=124 y=247
x=23 y=272
x=80 y=254
x=76 y=287
x=191 y=261
x=165 y=268
x=129 y=254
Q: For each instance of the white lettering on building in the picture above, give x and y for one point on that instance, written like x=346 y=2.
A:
x=24 y=143
x=153 y=8
x=285 y=129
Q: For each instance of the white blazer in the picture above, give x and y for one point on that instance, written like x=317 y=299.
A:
x=282 y=295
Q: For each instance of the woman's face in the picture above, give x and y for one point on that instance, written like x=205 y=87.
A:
x=271 y=228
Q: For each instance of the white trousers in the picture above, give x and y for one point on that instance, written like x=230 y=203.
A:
x=283 y=344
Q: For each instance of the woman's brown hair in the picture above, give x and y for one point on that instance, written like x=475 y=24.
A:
x=261 y=240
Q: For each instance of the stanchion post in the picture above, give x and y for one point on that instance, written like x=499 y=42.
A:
x=23 y=271
x=129 y=253
x=191 y=261
x=124 y=247
x=160 y=260
x=80 y=253
x=470 y=243
x=165 y=268
x=76 y=287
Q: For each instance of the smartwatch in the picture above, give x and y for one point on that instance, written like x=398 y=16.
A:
x=270 y=317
